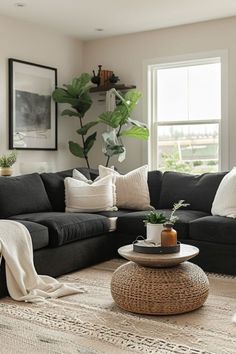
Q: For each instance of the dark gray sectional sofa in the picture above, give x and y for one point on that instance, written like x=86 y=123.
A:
x=64 y=242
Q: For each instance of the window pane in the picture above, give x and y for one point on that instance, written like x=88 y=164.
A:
x=172 y=94
x=189 y=93
x=188 y=148
x=204 y=91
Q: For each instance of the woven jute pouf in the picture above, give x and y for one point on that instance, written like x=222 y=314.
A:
x=159 y=291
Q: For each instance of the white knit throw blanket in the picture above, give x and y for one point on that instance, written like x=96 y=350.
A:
x=23 y=282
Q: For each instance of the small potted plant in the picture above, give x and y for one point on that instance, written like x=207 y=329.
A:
x=155 y=221
x=6 y=163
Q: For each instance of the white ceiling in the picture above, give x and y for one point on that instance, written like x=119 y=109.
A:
x=80 y=18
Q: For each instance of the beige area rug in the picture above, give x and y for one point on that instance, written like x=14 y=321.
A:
x=91 y=323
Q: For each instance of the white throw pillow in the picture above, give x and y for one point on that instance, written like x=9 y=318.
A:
x=77 y=175
x=224 y=203
x=84 y=197
x=131 y=189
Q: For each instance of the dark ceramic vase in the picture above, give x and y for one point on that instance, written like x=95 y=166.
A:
x=113 y=79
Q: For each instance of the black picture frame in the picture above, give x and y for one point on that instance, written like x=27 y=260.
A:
x=32 y=111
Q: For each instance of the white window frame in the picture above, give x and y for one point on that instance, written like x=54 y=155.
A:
x=150 y=96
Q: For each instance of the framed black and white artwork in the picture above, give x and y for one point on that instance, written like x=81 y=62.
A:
x=32 y=111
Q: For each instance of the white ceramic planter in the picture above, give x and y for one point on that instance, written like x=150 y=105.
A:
x=154 y=232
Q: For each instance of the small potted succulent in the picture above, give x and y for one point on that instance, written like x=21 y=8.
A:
x=6 y=163
x=155 y=221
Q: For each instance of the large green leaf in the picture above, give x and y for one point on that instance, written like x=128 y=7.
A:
x=123 y=112
x=86 y=127
x=112 y=146
x=62 y=96
x=81 y=83
x=75 y=94
x=132 y=97
x=76 y=149
x=112 y=119
x=83 y=104
x=70 y=113
x=59 y=94
x=88 y=144
x=114 y=150
x=76 y=82
x=136 y=132
x=71 y=90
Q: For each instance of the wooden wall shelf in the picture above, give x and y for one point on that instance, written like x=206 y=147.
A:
x=108 y=87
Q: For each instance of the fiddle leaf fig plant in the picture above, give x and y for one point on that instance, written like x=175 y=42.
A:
x=121 y=125
x=76 y=94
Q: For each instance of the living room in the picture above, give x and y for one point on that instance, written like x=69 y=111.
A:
x=176 y=150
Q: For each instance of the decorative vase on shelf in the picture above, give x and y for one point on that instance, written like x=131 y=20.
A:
x=113 y=79
x=154 y=233
x=96 y=79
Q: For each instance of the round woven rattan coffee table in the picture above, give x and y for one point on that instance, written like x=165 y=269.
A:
x=158 y=284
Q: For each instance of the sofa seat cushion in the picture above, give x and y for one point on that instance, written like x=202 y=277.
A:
x=68 y=227
x=38 y=233
x=115 y=214
x=133 y=224
x=215 y=229
x=22 y=194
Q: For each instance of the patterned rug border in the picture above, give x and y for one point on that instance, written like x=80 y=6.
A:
x=124 y=339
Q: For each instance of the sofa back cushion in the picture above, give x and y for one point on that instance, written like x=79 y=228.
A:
x=197 y=190
x=22 y=194
x=154 y=185
x=54 y=185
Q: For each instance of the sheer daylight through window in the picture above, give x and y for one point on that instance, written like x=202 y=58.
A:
x=186 y=115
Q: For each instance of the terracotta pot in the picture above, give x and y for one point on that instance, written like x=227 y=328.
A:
x=154 y=232
x=6 y=171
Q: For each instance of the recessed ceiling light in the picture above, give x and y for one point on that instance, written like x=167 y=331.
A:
x=99 y=29
x=20 y=4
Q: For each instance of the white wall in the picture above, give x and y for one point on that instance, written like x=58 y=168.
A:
x=123 y=54
x=126 y=54
x=37 y=44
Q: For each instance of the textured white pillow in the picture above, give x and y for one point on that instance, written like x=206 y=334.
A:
x=131 y=189
x=77 y=175
x=224 y=203
x=84 y=197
